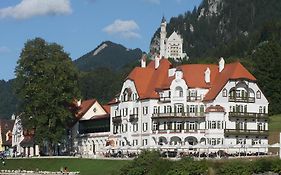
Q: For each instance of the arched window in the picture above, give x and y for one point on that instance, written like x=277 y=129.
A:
x=179 y=92
x=258 y=94
x=224 y=93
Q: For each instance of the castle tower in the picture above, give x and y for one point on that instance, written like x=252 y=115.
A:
x=163 y=34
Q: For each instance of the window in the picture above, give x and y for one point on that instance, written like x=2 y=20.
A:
x=241 y=141
x=179 y=91
x=169 y=109
x=256 y=141
x=260 y=109
x=192 y=126
x=135 y=127
x=224 y=93
x=155 y=126
x=144 y=126
x=179 y=126
x=192 y=109
x=258 y=94
x=144 y=142
x=179 y=108
x=135 y=142
x=165 y=125
x=155 y=110
x=213 y=125
x=145 y=110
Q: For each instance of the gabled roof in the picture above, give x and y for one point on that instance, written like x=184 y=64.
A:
x=149 y=80
x=231 y=71
x=84 y=107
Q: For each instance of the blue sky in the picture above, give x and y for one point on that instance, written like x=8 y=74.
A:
x=80 y=25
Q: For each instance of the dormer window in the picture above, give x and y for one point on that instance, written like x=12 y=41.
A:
x=258 y=94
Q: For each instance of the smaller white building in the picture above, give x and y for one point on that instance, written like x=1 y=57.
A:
x=171 y=47
x=91 y=130
x=23 y=141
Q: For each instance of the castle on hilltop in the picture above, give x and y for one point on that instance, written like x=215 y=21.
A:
x=171 y=47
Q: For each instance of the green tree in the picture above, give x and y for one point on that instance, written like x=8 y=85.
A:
x=46 y=83
x=267 y=64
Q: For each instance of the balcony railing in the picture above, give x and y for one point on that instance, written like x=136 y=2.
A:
x=247 y=115
x=116 y=119
x=241 y=99
x=168 y=131
x=177 y=115
x=165 y=99
x=245 y=132
x=193 y=98
x=133 y=117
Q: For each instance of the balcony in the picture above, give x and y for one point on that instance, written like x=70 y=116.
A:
x=133 y=117
x=165 y=99
x=193 y=98
x=178 y=115
x=241 y=99
x=248 y=115
x=172 y=131
x=116 y=119
x=245 y=132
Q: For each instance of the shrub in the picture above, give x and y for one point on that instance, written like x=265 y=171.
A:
x=236 y=167
x=188 y=166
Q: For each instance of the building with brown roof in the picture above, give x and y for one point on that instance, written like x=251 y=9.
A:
x=192 y=104
x=92 y=127
x=6 y=127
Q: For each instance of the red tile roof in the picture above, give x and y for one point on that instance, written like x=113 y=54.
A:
x=84 y=107
x=148 y=80
x=106 y=108
x=216 y=108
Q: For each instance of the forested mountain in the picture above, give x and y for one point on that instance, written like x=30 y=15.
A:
x=8 y=102
x=102 y=72
x=107 y=55
x=223 y=27
x=246 y=29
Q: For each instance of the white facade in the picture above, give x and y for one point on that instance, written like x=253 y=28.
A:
x=90 y=143
x=181 y=117
x=171 y=47
x=17 y=140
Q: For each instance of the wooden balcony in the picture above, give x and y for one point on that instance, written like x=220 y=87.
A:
x=116 y=119
x=248 y=115
x=245 y=132
x=133 y=117
x=178 y=115
x=241 y=99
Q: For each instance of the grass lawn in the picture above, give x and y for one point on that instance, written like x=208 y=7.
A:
x=274 y=131
x=84 y=166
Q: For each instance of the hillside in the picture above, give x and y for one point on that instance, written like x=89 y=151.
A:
x=108 y=55
x=223 y=27
x=8 y=102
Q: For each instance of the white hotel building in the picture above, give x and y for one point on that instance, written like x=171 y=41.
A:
x=195 y=104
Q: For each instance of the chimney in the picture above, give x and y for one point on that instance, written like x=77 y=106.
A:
x=79 y=103
x=143 y=61
x=208 y=75
x=157 y=61
x=221 y=64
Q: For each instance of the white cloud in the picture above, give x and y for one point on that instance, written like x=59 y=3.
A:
x=29 y=8
x=4 y=49
x=153 y=1
x=124 y=28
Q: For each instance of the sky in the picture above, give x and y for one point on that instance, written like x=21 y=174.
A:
x=81 y=25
